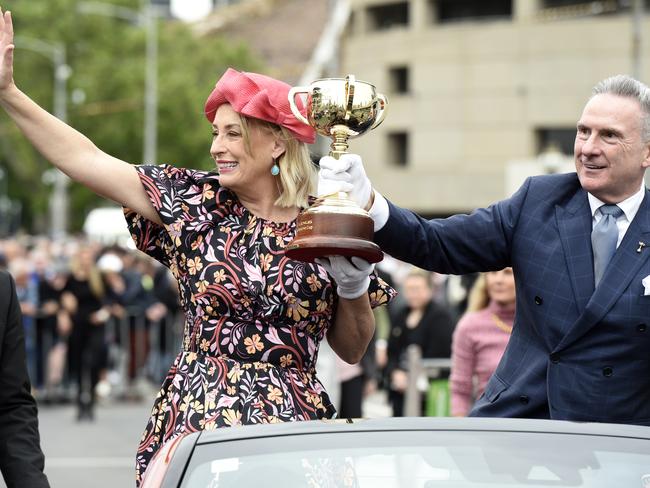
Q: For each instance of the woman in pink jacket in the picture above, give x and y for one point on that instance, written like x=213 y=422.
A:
x=481 y=337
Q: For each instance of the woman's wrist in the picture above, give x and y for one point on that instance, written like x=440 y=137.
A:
x=7 y=93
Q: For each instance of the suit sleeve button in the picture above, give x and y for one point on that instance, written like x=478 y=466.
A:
x=608 y=371
x=555 y=358
x=538 y=300
x=524 y=399
x=641 y=327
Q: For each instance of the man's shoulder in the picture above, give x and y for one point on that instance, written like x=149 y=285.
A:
x=554 y=188
x=556 y=179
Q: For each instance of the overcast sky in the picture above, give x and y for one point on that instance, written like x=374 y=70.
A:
x=190 y=10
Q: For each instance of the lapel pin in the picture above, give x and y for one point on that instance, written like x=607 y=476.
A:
x=641 y=246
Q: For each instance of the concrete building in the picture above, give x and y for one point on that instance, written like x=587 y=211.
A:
x=479 y=89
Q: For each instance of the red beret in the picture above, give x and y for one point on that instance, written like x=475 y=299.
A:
x=261 y=97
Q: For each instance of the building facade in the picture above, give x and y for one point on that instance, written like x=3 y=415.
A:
x=479 y=90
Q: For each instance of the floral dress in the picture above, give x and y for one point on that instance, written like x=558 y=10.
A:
x=253 y=317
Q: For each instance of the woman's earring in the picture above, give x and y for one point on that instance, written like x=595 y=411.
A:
x=275 y=169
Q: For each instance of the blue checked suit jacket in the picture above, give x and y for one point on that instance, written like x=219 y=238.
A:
x=575 y=353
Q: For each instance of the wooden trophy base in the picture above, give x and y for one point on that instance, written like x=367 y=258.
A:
x=332 y=228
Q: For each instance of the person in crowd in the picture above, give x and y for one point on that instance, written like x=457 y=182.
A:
x=356 y=381
x=82 y=302
x=21 y=459
x=480 y=337
x=48 y=307
x=127 y=300
x=51 y=347
x=579 y=246
x=422 y=322
x=27 y=292
x=165 y=314
x=254 y=317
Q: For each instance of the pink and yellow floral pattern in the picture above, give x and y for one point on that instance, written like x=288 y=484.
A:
x=254 y=318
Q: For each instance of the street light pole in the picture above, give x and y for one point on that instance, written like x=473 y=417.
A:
x=146 y=18
x=637 y=30
x=151 y=86
x=55 y=52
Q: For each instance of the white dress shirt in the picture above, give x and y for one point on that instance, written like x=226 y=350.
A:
x=630 y=206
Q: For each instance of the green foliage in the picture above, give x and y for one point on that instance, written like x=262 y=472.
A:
x=106 y=93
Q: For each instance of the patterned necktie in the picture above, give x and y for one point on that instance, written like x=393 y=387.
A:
x=604 y=238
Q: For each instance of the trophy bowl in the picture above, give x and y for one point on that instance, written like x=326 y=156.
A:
x=341 y=109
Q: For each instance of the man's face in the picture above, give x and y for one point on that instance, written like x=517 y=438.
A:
x=610 y=154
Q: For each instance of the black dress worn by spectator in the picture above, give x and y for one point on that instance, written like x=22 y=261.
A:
x=432 y=333
x=21 y=458
x=87 y=344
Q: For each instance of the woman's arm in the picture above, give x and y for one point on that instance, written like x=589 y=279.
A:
x=354 y=323
x=63 y=146
x=353 y=328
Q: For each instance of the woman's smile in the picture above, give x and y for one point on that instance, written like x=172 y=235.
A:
x=226 y=166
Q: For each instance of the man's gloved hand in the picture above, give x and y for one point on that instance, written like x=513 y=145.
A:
x=352 y=275
x=344 y=174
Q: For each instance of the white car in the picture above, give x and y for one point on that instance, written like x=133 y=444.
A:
x=425 y=452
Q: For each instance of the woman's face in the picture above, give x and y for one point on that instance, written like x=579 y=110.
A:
x=501 y=286
x=417 y=291
x=239 y=169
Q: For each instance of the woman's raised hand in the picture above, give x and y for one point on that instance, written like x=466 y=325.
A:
x=6 y=50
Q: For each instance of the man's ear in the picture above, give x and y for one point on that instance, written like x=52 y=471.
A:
x=279 y=148
x=646 y=159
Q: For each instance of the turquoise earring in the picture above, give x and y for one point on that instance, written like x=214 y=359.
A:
x=275 y=169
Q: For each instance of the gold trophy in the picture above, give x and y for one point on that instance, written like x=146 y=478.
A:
x=339 y=108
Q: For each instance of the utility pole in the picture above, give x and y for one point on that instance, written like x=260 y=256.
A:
x=637 y=38
x=59 y=204
x=147 y=19
x=151 y=86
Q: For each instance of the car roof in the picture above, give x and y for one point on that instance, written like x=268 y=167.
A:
x=423 y=424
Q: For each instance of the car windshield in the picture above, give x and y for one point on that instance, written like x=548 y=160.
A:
x=421 y=459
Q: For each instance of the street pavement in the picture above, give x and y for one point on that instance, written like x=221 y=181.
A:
x=97 y=454
x=101 y=454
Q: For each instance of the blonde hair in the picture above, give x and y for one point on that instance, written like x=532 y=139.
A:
x=92 y=273
x=297 y=178
x=478 y=297
x=415 y=272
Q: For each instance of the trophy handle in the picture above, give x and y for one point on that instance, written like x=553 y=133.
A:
x=292 y=102
x=349 y=95
x=382 y=110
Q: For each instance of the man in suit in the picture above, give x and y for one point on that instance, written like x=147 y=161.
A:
x=21 y=458
x=580 y=348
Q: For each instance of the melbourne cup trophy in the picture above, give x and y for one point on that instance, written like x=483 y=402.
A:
x=341 y=109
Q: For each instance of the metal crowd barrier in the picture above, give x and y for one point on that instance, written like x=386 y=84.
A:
x=139 y=354
x=420 y=371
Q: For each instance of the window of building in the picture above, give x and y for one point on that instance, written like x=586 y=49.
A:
x=559 y=138
x=455 y=10
x=562 y=3
x=588 y=7
x=382 y=17
x=398 y=148
x=399 y=79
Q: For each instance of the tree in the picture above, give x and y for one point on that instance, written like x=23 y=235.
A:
x=106 y=56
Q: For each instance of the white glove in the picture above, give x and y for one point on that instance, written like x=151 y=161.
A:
x=344 y=174
x=352 y=277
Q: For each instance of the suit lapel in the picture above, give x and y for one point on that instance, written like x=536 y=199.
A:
x=623 y=267
x=574 y=225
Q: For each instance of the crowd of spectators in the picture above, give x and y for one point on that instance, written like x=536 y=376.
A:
x=103 y=320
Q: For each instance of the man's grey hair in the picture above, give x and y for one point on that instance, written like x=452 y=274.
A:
x=626 y=86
